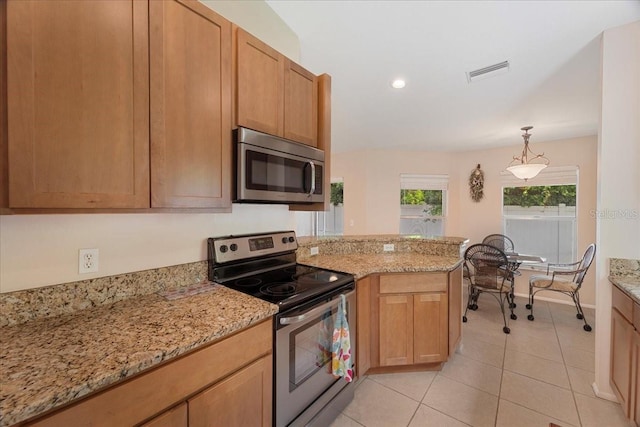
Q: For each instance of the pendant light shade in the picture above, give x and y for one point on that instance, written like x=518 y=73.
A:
x=525 y=167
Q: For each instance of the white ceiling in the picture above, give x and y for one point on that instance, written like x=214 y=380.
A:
x=553 y=82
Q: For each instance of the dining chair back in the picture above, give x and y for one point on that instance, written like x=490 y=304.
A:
x=500 y=241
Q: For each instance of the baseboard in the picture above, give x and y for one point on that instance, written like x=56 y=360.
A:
x=555 y=300
x=602 y=395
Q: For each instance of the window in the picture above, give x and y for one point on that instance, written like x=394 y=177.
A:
x=541 y=219
x=423 y=204
x=331 y=223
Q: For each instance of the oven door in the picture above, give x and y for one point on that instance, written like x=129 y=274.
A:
x=303 y=378
x=266 y=175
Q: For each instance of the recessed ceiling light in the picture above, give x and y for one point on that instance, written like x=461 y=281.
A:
x=398 y=84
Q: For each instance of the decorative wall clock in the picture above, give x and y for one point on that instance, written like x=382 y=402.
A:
x=476 y=184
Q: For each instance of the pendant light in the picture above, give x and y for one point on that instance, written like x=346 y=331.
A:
x=526 y=167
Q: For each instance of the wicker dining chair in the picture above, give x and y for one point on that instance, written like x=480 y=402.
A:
x=566 y=279
x=486 y=266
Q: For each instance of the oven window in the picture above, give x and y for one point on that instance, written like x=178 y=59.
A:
x=310 y=348
x=268 y=172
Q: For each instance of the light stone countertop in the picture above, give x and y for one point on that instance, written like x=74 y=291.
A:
x=625 y=274
x=628 y=285
x=50 y=362
x=361 y=265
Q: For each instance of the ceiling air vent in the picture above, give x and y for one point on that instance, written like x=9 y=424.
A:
x=486 y=72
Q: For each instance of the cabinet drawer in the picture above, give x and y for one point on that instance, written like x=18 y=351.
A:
x=622 y=303
x=636 y=317
x=413 y=283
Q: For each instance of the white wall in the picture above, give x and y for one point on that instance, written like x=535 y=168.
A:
x=618 y=196
x=39 y=250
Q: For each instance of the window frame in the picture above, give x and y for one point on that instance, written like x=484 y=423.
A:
x=551 y=176
x=428 y=182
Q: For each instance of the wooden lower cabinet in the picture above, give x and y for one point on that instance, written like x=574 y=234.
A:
x=625 y=353
x=621 y=334
x=636 y=377
x=226 y=383
x=243 y=399
x=413 y=328
x=408 y=319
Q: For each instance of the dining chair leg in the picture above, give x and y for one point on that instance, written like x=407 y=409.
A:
x=580 y=315
x=469 y=299
x=503 y=297
x=530 y=305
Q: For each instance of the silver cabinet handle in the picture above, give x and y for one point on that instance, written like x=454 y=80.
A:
x=313 y=178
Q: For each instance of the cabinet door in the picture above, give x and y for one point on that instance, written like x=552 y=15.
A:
x=175 y=417
x=636 y=377
x=396 y=330
x=363 y=348
x=78 y=104
x=621 y=356
x=300 y=105
x=259 y=85
x=455 y=308
x=190 y=106
x=243 y=399
x=430 y=327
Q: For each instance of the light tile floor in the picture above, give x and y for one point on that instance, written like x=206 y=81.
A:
x=540 y=373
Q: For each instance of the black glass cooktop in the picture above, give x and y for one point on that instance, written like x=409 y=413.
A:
x=288 y=285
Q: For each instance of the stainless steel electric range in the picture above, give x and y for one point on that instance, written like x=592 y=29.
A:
x=264 y=266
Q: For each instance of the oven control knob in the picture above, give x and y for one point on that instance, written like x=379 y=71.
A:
x=224 y=248
x=285 y=240
x=291 y=239
x=233 y=247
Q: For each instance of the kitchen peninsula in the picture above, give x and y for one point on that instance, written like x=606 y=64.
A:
x=409 y=293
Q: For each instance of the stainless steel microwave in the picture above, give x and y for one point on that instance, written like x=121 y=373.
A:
x=275 y=170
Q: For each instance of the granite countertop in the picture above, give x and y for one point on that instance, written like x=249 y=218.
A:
x=628 y=285
x=361 y=265
x=50 y=362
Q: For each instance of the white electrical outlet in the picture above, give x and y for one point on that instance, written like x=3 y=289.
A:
x=88 y=261
x=388 y=247
x=314 y=250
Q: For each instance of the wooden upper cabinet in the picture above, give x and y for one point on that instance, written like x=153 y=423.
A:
x=78 y=104
x=190 y=106
x=300 y=105
x=274 y=94
x=259 y=85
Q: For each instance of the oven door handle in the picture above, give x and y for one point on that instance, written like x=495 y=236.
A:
x=314 y=311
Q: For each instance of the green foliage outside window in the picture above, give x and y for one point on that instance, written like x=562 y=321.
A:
x=337 y=190
x=541 y=195
x=431 y=198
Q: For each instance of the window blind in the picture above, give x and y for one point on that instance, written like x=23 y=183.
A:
x=424 y=182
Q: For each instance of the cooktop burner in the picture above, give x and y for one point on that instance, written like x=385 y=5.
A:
x=279 y=289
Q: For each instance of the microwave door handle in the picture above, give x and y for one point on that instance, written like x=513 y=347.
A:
x=314 y=311
x=313 y=179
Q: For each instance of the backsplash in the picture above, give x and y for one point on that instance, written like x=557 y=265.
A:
x=624 y=268
x=31 y=304
x=363 y=244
